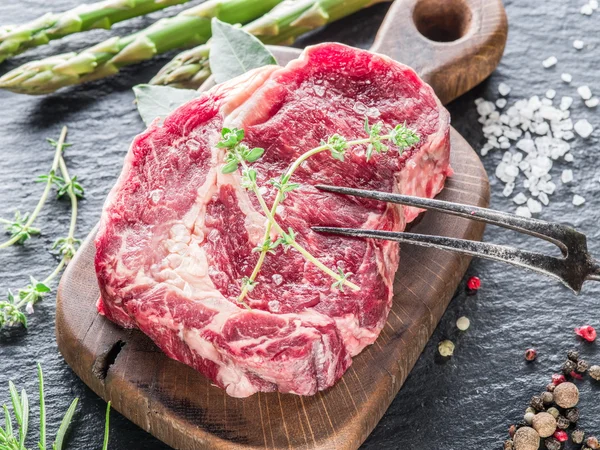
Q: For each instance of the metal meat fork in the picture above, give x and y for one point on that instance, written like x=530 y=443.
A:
x=575 y=267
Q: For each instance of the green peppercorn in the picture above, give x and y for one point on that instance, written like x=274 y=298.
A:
x=537 y=403
x=555 y=413
x=547 y=398
x=577 y=436
x=572 y=414
x=562 y=422
x=530 y=410
x=573 y=355
x=568 y=367
x=582 y=366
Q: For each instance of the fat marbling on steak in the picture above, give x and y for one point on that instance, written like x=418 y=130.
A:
x=176 y=234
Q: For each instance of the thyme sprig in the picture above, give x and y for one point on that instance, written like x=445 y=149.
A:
x=11 y=309
x=239 y=154
x=9 y=440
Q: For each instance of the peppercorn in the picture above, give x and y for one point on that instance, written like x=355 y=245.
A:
x=550 y=387
x=552 y=444
x=592 y=442
x=568 y=367
x=547 y=397
x=554 y=412
x=562 y=422
x=473 y=285
x=508 y=445
x=512 y=430
x=537 y=403
x=573 y=355
x=558 y=379
x=586 y=332
x=594 y=372
x=526 y=438
x=530 y=354
x=572 y=414
x=566 y=395
x=528 y=417
x=544 y=424
x=530 y=410
x=561 y=435
x=577 y=436
x=582 y=366
x=446 y=348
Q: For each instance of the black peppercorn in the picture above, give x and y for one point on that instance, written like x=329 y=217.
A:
x=577 y=436
x=582 y=366
x=572 y=414
x=568 y=367
x=552 y=444
x=562 y=422
x=550 y=387
x=573 y=355
x=537 y=403
x=547 y=398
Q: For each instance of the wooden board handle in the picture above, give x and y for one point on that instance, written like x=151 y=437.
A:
x=452 y=44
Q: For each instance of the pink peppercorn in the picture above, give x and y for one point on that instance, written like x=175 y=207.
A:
x=557 y=379
x=530 y=354
x=561 y=435
x=576 y=375
x=473 y=283
x=587 y=332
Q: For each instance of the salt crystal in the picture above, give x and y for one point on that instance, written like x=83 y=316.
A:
x=484 y=151
x=508 y=189
x=547 y=101
x=520 y=198
x=277 y=279
x=550 y=93
x=534 y=206
x=583 y=128
x=568 y=135
x=319 y=90
x=549 y=188
x=542 y=128
x=593 y=4
x=566 y=77
x=505 y=145
x=511 y=171
x=578 y=44
x=485 y=108
x=479 y=100
x=565 y=103
x=549 y=62
x=534 y=103
x=526 y=145
x=586 y=10
x=501 y=102
x=523 y=211
x=592 y=102
x=504 y=89
x=578 y=200
x=543 y=197
x=569 y=157
x=584 y=92
x=566 y=176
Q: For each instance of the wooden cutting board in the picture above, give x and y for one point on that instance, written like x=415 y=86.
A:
x=179 y=406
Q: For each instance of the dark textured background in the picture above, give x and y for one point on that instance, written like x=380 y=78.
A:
x=465 y=403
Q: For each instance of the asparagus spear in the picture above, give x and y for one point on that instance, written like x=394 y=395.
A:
x=188 y=28
x=15 y=39
x=281 y=26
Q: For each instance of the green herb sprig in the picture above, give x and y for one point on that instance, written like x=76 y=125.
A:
x=14 y=439
x=21 y=229
x=238 y=155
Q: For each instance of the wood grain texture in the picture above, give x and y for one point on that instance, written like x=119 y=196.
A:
x=181 y=407
x=452 y=44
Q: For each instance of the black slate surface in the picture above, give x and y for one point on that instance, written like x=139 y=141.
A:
x=464 y=403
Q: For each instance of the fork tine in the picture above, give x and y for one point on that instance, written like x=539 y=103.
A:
x=547 y=265
x=552 y=232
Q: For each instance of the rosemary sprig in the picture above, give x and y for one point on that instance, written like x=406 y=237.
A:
x=239 y=155
x=20 y=407
x=11 y=309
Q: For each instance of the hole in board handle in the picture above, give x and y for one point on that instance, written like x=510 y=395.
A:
x=442 y=20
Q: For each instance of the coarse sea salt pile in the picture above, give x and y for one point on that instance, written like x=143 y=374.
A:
x=534 y=134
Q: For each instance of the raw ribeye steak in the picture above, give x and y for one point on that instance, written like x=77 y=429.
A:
x=176 y=234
